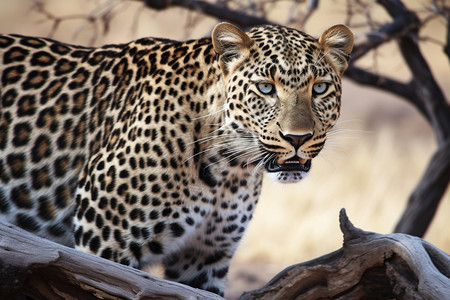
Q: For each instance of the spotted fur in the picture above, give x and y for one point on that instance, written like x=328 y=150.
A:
x=153 y=151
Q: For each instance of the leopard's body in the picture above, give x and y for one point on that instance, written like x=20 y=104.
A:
x=154 y=151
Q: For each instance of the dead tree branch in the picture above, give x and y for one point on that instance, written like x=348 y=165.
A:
x=213 y=10
x=431 y=102
x=384 y=83
x=447 y=45
x=425 y=199
x=35 y=268
x=369 y=265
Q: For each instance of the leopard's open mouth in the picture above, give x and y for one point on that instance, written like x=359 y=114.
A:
x=294 y=163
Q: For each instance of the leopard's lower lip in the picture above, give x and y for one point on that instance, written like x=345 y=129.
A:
x=292 y=164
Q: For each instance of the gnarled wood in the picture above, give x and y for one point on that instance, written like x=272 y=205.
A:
x=369 y=266
x=40 y=269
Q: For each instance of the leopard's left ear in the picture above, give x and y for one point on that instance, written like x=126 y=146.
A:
x=337 y=43
x=231 y=43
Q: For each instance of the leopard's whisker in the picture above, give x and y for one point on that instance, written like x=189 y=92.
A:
x=237 y=154
x=335 y=131
x=209 y=115
x=263 y=161
x=219 y=145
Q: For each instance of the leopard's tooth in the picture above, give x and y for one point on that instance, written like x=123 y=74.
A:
x=302 y=160
x=281 y=161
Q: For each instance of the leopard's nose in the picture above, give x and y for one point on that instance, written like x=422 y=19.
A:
x=296 y=140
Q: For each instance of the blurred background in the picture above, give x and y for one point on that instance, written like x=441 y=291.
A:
x=370 y=164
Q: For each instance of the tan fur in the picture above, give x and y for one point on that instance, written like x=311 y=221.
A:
x=337 y=43
x=231 y=43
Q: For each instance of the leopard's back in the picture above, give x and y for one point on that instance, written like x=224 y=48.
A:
x=50 y=121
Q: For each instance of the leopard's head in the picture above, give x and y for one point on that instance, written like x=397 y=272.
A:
x=283 y=93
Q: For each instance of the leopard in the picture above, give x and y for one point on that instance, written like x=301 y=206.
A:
x=154 y=151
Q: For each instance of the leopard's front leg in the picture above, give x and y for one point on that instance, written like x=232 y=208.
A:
x=201 y=269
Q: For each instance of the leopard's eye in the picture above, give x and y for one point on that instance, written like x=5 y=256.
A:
x=320 y=88
x=266 y=88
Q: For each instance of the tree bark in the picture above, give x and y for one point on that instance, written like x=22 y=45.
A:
x=430 y=100
x=368 y=266
x=35 y=268
x=424 y=201
x=213 y=10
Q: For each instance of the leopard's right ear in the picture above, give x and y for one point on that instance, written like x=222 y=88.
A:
x=232 y=44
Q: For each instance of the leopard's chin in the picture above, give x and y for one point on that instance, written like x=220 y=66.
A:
x=288 y=171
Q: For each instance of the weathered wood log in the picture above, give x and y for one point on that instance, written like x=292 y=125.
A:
x=368 y=266
x=35 y=268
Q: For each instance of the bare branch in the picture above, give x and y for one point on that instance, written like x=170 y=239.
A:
x=427 y=89
x=211 y=9
x=425 y=86
x=310 y=8
x=424 y=201
x=398 y=27
x=386 y=84
x=447 y=46
x=35 y=268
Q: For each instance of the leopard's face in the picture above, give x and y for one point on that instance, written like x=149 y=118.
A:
x=283 y=93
